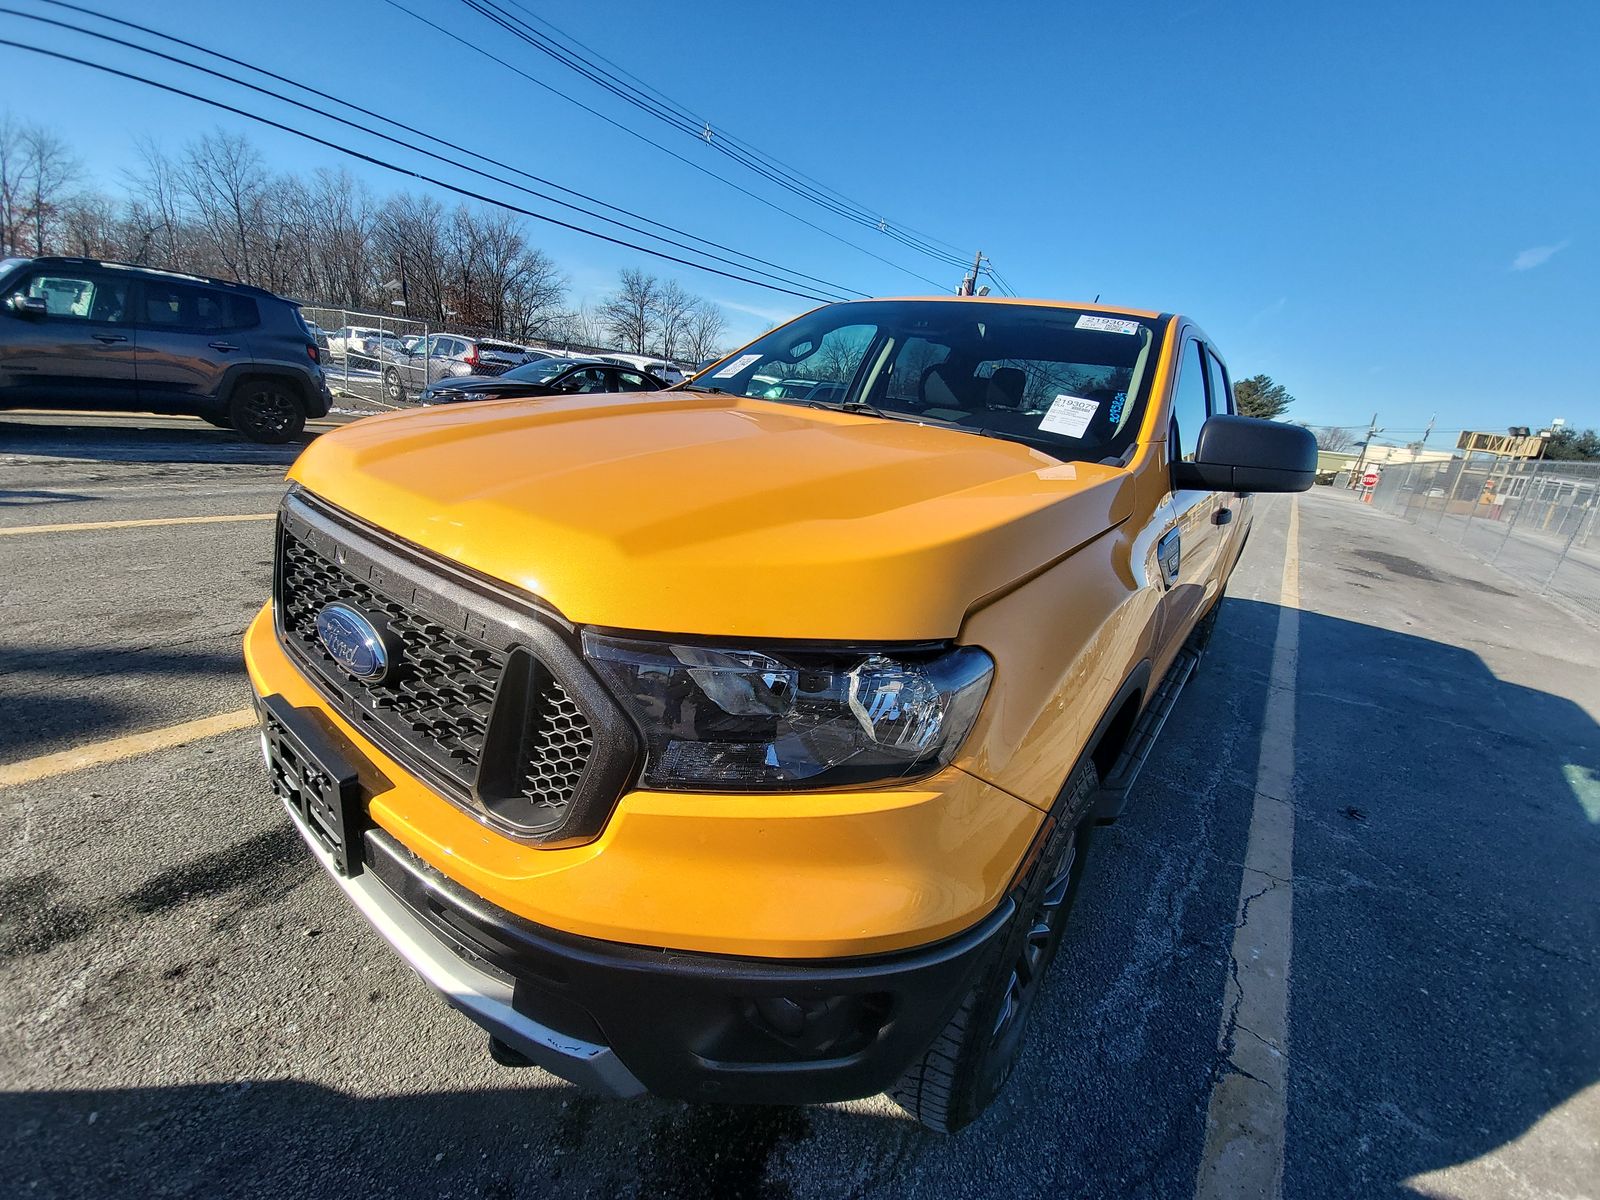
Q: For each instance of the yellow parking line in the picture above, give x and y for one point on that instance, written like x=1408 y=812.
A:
x=100 y=753
x=75 y=526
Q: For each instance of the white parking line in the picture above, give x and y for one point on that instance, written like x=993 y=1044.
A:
x=1243 y=1155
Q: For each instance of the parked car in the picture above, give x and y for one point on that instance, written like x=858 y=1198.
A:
x=446 y=356
x=381 y=347
x=79 y=333
x=663 y=370
x=743 y=749
x=351 y=340
x=544 y=377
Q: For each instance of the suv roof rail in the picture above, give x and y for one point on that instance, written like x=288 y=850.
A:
x=111 y=264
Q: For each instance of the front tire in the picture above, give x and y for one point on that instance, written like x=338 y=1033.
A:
x=394 y=389
x=971 y=1060
x=267 y=412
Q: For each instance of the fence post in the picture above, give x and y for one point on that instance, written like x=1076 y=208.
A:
x=1527 y=497
x=1455 y=486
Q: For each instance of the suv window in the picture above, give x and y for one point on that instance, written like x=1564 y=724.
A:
x=1189 y=400
x=83 y=296
x=629 y=381
x=170 y=305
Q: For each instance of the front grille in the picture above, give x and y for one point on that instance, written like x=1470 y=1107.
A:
x=443 y=692
x=490 y=706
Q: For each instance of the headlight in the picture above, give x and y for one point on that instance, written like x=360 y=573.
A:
x=716 y=717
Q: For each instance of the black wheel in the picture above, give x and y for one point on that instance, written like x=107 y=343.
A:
x=394 y=390
x=967 y=1065
x=267 y=412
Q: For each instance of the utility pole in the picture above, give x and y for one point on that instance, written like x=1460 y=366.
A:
x=1372 y=432
x=969 y=285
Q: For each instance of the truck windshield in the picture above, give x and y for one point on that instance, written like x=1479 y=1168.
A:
x=1070 y=382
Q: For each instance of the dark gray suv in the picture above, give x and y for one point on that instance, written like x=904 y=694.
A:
x=76 y=333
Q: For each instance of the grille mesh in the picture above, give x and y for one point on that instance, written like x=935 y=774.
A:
x=439 y=701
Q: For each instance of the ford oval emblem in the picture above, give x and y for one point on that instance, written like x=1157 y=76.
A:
x=353 y=642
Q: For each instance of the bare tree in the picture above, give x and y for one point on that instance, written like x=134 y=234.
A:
x=37 y=177
x=1335 y=438
x=629 y=312
x=225 y=186
x=52 y=172
x=674 y=309
x=702 y=338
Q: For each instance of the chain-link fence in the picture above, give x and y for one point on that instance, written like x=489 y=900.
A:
x=1534 y=520
x=371 y=366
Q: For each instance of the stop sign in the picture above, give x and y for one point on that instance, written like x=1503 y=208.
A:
x=1370 y=479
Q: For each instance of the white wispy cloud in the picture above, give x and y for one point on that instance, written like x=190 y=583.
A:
x=1537 y=256
x=772 y=316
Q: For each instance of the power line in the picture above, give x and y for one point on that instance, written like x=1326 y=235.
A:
x=779 y=278
x=399 y=170
x=663 y=107
x=721 y=132
x=760 y=199
x=499 y=17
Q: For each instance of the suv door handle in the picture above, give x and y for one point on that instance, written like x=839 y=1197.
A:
x=222 y=345
x=110 y=338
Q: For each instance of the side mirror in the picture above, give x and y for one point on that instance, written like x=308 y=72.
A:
x=30 y=306
x=1247 y=454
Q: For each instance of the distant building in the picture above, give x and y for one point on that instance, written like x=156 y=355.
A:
x=1385 y=455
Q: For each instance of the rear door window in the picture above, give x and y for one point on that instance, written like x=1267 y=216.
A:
x=171 y=305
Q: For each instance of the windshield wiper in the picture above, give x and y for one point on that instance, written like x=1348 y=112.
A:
x=851 y=406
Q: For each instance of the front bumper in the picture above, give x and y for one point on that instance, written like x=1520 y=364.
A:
x=622 y=1020
x=821 y=875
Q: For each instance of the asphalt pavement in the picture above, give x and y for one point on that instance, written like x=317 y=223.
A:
x=190 y=1009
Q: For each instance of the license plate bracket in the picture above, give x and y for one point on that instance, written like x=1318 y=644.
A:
x=315 y=780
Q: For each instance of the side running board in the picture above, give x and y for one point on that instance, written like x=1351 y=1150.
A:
x=1114 y=788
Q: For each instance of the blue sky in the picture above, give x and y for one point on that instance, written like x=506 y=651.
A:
x=1387 y=208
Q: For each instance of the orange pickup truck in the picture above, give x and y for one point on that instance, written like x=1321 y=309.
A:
x=739 y=741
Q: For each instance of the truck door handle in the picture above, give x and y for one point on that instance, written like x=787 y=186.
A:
x=222 y=345
x=110 y=338
x=1223 y=516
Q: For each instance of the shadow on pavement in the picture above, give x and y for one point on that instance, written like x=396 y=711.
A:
x=1443 y=991
x=131 y=441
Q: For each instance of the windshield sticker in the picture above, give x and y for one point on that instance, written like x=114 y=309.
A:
x=1114 y=413
x=1108 y=324
x=1069 y=415
x=737 y=365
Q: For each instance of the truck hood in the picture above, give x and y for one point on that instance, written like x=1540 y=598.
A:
x=689 y=513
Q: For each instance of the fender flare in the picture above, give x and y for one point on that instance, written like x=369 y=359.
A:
x=242 y=372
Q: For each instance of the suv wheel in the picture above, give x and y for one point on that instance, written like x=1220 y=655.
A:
x=394 y=391
x=267 y=411
x=968 y=1064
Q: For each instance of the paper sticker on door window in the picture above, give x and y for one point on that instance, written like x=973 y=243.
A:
x=737 y=365
x=1069 y=415
x=1108 y=324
